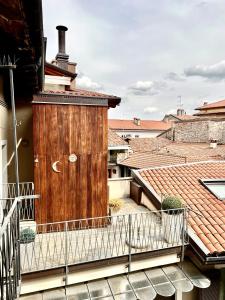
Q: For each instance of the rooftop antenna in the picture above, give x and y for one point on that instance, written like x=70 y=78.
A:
x=180 y=104
x=8 y=63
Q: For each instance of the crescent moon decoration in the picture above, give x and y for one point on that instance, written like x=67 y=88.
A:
x=54 y=167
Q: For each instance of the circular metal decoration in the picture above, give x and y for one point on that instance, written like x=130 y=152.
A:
x=72 y=158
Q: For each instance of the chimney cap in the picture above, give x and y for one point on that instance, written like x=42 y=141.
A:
x=61 y=27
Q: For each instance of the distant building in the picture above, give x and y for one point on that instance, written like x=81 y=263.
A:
x=211 y=110
x=138 y=128
x=118 y=150
x=179 y=116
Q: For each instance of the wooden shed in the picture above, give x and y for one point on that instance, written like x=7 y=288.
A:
x=70 y=154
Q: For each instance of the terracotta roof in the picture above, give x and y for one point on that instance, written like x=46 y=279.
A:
x=216 y=104
x=148 y=144
x=115 y=140
x=144 y=125
x=138 y=160
x=82 y=93
x=194 y=151
x=184 y=181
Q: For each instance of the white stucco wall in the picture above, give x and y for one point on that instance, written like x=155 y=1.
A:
x=141 y=134
x=3 y=144
x=119 y=187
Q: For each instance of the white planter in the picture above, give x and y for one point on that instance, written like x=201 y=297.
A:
x=172 y=227
x=213 y=145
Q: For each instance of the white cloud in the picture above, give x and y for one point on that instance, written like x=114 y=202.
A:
x=213 y=72
x=87 y=83
x=150 y=109
x=147 y=87
x=174 y=77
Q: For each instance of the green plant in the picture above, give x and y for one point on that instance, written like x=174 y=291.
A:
x=115 y=204
x=172 y=203
x=27 y=235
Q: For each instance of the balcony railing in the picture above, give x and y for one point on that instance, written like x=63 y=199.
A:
x=86 y=240
x=27 y=202
x=10 y=254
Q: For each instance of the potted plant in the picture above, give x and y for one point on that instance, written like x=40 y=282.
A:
x=172 y=219
x=115 y=205
x=27 y=235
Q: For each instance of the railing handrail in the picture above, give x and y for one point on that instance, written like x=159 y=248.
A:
x=114 y=216
x=8 y=216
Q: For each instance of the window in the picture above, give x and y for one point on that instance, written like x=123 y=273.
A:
x=216 y=187
x=136 y=135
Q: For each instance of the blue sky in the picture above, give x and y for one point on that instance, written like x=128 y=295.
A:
x=148 y=52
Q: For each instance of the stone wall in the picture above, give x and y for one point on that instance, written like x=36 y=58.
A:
x=197 y=131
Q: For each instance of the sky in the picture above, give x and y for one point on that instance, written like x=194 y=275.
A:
x=155 y=55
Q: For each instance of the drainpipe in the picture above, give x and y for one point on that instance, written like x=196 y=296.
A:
x=16 y=164
x=7 y=64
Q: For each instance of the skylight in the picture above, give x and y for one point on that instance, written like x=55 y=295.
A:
x=216 y=187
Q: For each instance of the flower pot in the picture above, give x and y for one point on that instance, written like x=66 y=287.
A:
x=172 y=227
x=213 y=145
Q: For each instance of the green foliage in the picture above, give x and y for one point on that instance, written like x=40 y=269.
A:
x=172 y=202
x=27 y=235
x=115 y=204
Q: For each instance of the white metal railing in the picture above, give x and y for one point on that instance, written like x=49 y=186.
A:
x=26 y=190
x=10 y=253
x=79 y=241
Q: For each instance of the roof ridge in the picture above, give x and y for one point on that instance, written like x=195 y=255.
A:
x=183 y=164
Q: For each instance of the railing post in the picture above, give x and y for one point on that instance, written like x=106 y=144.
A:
x=66 y=253
x=129 y=241
x=183 y=233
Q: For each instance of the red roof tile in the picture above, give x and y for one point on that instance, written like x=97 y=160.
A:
x=209 y=222
x=115 y=140
x=144 y=125
x=81 y=93
x=140 y=160
x=216 y=104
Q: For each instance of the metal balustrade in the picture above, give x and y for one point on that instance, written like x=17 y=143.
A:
x=27 y=203
x=10 y=253
x=86 y=240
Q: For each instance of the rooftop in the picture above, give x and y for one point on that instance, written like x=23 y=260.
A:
x=115 y=140
x=143 y=125
x=207 y=212
x=138 y=160
x=217 y=104
x=194 y=151
x=148 y=144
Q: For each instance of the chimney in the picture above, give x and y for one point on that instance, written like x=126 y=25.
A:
x=205 y=103
x=137 y=121
x=61 y=57
x=180 y=112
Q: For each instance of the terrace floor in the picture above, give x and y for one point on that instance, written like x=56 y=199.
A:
x=133 y=229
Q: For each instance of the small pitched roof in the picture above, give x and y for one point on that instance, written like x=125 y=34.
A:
x=217 y=104
x=194 y=151
x=144 y=125
x=115 y=140
x=148 y=144
x=113 y=101
x=207 y=212
x=139 y=160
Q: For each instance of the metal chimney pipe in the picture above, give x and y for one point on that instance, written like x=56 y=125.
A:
x=62 y=58
x=62 y=38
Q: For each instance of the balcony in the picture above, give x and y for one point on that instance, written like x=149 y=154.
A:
x=26 y=190
x=10 y=253
x=82 y=241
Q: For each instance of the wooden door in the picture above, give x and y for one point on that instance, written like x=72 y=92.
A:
x=75 y=189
